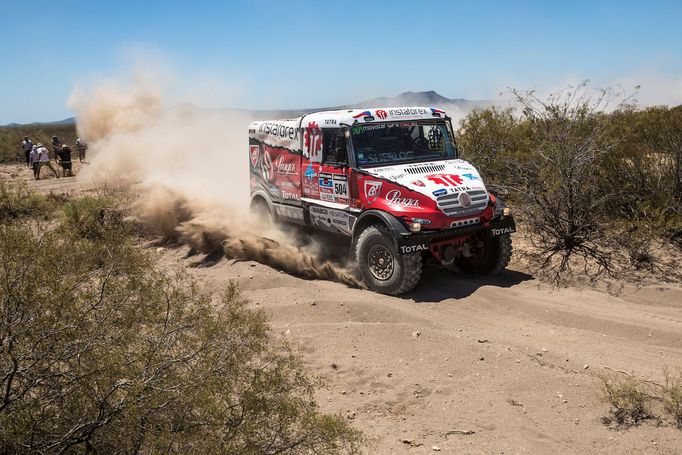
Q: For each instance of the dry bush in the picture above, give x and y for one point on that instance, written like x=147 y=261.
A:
x=629 y=400
x=672 y=396
x=101 y=352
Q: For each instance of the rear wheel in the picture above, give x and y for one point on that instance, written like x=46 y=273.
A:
x=261 y=209
x=489 y=257
x=382 y=269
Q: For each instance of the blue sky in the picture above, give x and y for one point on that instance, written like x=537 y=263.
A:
x=277 y=54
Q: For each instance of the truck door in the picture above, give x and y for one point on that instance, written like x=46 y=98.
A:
x=330 y=211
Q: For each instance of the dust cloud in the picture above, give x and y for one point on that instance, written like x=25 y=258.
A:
x=189 y=168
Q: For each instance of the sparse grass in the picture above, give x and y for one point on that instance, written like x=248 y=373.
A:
x=672 y=396
x=17 y=202
x=628 y=398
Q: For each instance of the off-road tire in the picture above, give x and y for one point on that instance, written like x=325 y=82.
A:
x=495 y=260
x=406 y=268
x=261 y=209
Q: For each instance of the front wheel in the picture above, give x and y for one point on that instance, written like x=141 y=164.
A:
x=261 y=209
x=489 y=257
x=382 y=269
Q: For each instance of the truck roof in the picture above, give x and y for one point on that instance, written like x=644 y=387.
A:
x=285 y=133
x=333 y=119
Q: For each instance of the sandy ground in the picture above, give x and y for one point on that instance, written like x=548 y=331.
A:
x=464 y=366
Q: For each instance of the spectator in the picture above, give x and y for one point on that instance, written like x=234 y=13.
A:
x=82 y=147
x=27 y=146
x=56 y=146
x=35 y=162
x=65 y=160
x=44 y=158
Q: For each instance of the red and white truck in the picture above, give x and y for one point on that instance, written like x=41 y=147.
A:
x=390 y=180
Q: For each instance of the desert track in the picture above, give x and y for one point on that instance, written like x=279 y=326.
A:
x=470 y=366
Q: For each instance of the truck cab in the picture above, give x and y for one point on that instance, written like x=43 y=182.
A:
x=391 y=181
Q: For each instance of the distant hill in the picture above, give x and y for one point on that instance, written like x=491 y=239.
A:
x=429 y=98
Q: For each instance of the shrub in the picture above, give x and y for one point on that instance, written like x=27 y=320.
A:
x=628 y=399
x=672 y=396
x=101 y=352
x=18 y=202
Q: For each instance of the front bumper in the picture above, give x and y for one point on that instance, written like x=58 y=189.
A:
x=413 y=242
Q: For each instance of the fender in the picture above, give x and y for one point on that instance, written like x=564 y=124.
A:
x=268 y=199
x=395 y=227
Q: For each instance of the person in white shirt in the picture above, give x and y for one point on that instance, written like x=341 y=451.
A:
x=34 y=160
x=27 y=146
x=44 y=159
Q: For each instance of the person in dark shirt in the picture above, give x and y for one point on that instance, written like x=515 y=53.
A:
x=56 y=146
x=64 y=155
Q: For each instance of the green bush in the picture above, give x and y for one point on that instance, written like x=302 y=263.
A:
x=101 y=352
x=18 y=202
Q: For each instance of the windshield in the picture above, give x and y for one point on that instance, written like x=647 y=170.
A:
x=402 y=142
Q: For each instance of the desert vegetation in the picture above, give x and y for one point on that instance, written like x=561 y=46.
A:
x=595 y=181
x=633 y=400
x=101 y=352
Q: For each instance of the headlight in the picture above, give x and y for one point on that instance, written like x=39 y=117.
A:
x=415 y=227
x=506 y=211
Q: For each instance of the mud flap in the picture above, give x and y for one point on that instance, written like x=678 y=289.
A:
x=502 y=226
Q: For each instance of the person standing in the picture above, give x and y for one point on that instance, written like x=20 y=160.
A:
x=82 y=147
x=27 y=146
x=56 y=146
x=65 y=160
x=35 y=162
x=44 y=158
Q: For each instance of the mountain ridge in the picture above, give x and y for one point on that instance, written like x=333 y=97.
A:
x=409 y=98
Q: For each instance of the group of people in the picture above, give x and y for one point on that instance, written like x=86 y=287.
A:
x=37 y=156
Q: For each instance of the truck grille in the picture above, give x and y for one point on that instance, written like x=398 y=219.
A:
x=425 y=169
x=450 y=205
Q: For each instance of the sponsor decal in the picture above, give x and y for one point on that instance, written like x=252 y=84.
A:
x=363 y=114
x=471 y=176
x=464 y=200
x=313 y=141
x=440 y=192
x=266 y=167
x=330 y=121
x=277 y=129
x=328 y=197
x=310 y=172
x=413 y=248
x=382 y=114
x=395 y=197
x=408 y=112
x=445 y=179
x=283 y=167
x=507 y=230
x=326 y=180
x=372 y=190
x=418 y=183
x=288 y=195
x=330 y=218
x=254 y=154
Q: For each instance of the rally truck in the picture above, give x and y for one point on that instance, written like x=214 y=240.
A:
x=391 y=182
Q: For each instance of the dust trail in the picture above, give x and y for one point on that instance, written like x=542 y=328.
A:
x=190 y=167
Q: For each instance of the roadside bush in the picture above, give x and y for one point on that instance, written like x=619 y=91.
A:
x=18 y=202
x=104 y=353
x=628 y=398
x=593 y=179
x=672 y=396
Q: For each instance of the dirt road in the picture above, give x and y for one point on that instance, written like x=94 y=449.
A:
x=468 y=366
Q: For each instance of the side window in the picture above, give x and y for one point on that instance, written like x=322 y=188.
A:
x=335 y=150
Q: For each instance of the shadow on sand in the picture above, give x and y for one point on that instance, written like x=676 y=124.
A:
x=438 y=285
